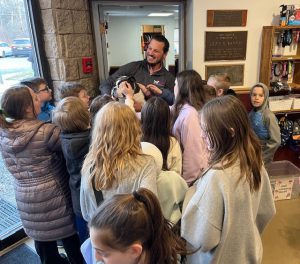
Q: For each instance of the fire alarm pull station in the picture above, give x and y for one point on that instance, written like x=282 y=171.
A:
x=87 y=65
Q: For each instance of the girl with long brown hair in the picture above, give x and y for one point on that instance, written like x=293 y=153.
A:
x=32 y=153
x=131 y=229
x=233 y=202
x=190 y=96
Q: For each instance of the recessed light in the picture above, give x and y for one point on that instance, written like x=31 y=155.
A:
x=161 y=14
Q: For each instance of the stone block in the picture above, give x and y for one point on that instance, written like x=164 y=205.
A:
x=91 y=84
x=48 y=21
x=45 y=4
x=77 y=4
x=64 y=21
x=60 y=4
x=78 y=45
x=68 y=69
x=54 y=69
x=51 y=47
x=81 y=22
x=56 y=85
x=61 y=45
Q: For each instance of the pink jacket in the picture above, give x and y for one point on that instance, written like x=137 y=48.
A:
x=194 y=152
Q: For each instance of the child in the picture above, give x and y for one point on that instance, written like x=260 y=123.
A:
x=130 y=228
x=32 y=153
x=264 y=122
x=97 y=103
x=44 y=93
x=73 y=118
x=221 y=82
x=74 y=89
x=171 y=187
x=189 y=99
x=156 y=127
x=233 y=201
x=115 y=162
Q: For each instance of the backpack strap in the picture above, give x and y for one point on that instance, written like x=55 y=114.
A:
x=98 y=194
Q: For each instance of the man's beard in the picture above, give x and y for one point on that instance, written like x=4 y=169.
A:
x=160 y=62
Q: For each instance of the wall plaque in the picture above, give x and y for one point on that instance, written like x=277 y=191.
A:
x=225 y=45
x=226 y=18
x=235 y=72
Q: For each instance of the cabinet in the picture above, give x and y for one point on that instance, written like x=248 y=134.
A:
x=148 y=32
x=278 y=63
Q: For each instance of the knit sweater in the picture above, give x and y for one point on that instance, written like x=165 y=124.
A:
x=224 y=220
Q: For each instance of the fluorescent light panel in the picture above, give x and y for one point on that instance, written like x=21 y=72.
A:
x=160 y=14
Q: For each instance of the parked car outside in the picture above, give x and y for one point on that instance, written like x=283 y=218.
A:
x=21 y=47
x=5 y=49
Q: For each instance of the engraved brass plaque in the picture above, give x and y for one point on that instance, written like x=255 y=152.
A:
x=226 y=18
x=225 y=45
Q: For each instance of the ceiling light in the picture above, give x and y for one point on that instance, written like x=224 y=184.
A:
x=161 y=14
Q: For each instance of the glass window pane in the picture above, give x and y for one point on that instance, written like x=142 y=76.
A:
x=17 y=52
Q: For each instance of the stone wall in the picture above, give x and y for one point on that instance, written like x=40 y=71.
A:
x=68 y=38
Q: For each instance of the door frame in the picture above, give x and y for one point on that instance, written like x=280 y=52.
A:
x=101 y=49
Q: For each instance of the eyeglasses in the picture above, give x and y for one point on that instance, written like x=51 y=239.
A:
x=47 y=89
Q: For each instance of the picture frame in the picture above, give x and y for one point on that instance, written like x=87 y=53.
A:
x=234 y=71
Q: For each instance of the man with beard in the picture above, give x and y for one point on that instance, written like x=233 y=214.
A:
x=150 y=74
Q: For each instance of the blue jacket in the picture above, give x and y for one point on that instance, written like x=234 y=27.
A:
x=46 y=112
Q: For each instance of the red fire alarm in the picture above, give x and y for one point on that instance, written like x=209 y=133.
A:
x=87 y=65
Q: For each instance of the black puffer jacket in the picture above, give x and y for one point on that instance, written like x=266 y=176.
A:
x=32 y=154
x=75 y=146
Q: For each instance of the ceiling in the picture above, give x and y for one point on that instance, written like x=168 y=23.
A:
x=140 y=10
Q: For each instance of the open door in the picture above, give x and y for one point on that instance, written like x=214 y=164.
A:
x=118 y=28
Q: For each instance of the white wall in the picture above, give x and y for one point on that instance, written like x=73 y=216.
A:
x=260 y=13
x=124 y=38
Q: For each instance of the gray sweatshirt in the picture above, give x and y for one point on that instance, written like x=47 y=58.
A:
x=145 y=175
x=224 y=220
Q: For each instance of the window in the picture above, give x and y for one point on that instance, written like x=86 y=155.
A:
x=17 y=49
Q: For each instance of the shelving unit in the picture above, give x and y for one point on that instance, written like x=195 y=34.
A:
x=147 y=33
x=270 y=54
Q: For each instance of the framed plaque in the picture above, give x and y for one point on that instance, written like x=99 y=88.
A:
x=226 y=18
x=235 y=72
x=225 y=45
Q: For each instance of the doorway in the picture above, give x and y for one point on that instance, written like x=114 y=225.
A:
x=119 y=28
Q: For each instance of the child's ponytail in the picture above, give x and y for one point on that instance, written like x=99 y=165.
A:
x=165 y=246
x=137 y=217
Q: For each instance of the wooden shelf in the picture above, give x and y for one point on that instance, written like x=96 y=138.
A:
x=295 y=87
x=268 y=58
x=285 y=58
x=286 y=27
x=290 y=111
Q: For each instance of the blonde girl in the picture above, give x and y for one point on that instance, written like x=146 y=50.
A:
x=115 y=163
